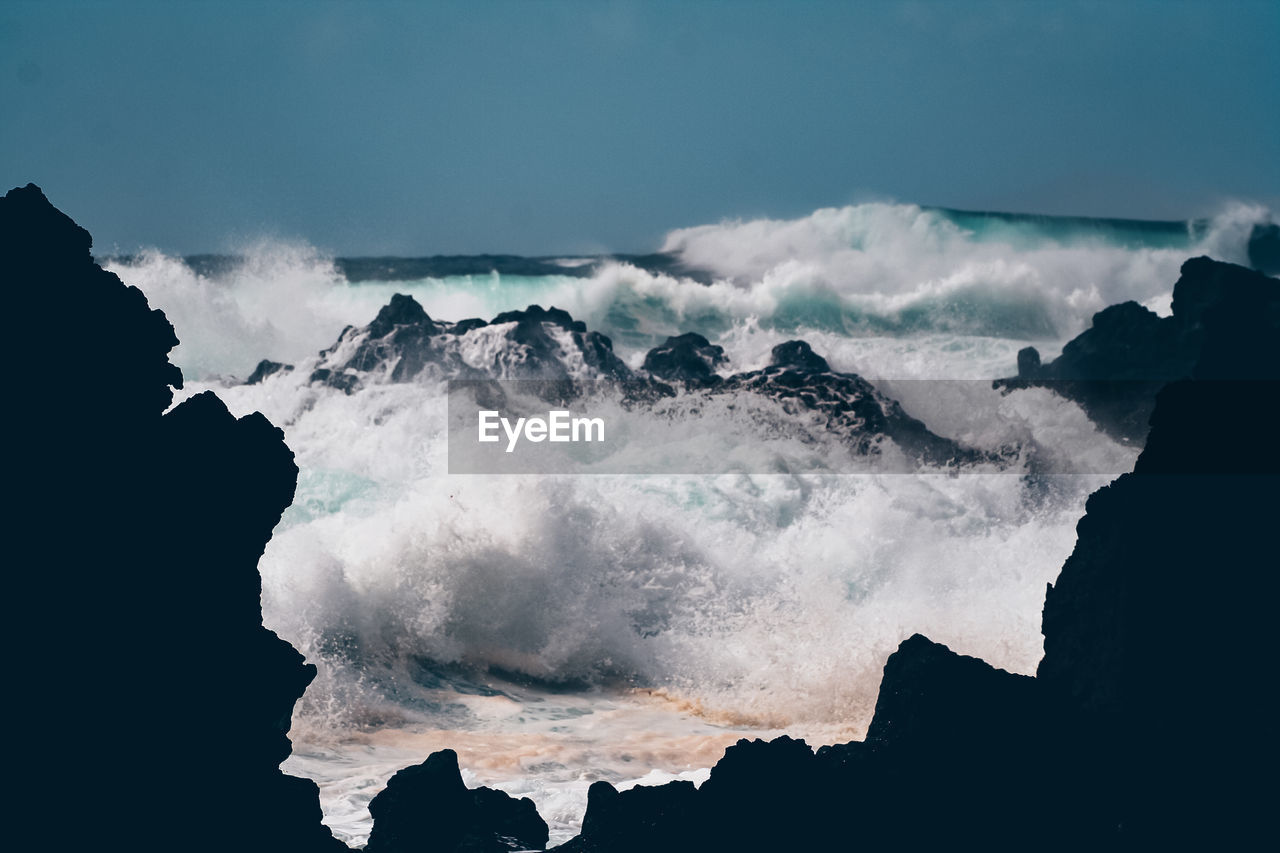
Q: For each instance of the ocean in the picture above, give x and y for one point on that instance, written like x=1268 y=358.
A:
x=559 y=629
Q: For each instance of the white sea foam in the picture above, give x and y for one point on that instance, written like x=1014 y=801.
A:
x=561 y=629
x=740 y=602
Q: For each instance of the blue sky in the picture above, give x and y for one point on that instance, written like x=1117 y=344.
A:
x=542 y=127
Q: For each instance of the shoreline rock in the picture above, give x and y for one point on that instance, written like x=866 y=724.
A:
x=549 y=348
x=146 y=642
x=1114 y=368
x=428 y=807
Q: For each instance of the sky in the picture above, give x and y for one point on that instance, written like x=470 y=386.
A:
x=544 y=127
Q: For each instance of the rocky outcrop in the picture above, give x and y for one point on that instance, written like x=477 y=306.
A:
x=689 y=358
x=267 y=368
x=559 y=359
x=428 y=807
x=1115 y=367
x=847 y=405
x=804 y=382
x=403 y=343
x=1148 y=724
x=953 y=739
x=157 y=706
x=657 y=817
x=798 y=355
x=760 y=796
x=1160 y=622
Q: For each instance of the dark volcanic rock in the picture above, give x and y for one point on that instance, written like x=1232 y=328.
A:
x=557 y=359
x=344 y=381
x=143 y=531
x=847 y=405
x=400 y=311
x=267 y=368
x=974 y=732
x=798 y=354
x=427 y=807
x=689 y=358
x=933 y=702
x=1114 y=368
x=400 y=339
x=642 y=819
x=1161 y=620
x=1028 y=361
x=761 y=795
x=46 y=257
x=403 y=343
x=537 y=314
x=659 y=817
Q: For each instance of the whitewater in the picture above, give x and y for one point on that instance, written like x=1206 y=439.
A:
x=559 y=629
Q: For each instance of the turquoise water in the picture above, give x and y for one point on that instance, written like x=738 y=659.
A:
x=557 y=630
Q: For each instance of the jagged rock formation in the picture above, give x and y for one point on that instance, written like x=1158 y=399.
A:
x=848 y=404
x=1159 y=625
x=267 y=368
x=953 y=740
x=140 y=591
x=688 y=358
x=643 y=818
x=1115 y=367
x=427 y=807
x=404 y=344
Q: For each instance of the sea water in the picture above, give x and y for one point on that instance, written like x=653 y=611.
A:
x=556 y=630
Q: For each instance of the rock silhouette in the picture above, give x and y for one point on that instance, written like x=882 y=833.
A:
x=403 y=342
x=161 y=704
x=267 y=368
x=1115 y=367
x=427 y=807
x=848 y=405
x=549 y=347
x=689 y=358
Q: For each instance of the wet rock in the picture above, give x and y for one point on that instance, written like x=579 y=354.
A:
x=428 y=807
x=267 y=368
x=347 y=383
x=1114 y=368
x=403 y=343
x=797 y=354
x=849 y=406
x=688 y=358
x=638 y=820
x=147 y=527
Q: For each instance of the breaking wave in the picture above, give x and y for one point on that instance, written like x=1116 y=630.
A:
x=495 y=611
